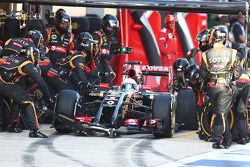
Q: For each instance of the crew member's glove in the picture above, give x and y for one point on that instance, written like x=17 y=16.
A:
x=38 y=93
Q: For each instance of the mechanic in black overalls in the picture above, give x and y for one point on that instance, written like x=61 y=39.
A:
x=179 y=67
x=17 y=46
x=241 y=94
x=87 y=47
x=217 y=67
x=73 y=68
x=59 y=40
x=56 y=76
x=19 y=58
x=104 y=37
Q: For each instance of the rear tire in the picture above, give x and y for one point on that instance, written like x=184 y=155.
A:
x=11 y=28
x=162 y=111
x=205 y=121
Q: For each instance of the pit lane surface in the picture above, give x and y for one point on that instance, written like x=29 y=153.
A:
x=137 y=150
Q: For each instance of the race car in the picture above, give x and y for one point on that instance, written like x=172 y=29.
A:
x=131 y=105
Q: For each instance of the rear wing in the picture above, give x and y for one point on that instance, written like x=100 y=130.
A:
x=131 y=69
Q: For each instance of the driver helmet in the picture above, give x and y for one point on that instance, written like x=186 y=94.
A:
x=129 y=84
x=36 y=36
x=110 y=24
x=62 y=22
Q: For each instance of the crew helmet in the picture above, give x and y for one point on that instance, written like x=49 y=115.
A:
x=180 y=65
x=203 y=38
x=85 y=42
x=192 y=73
x=110 y=24
x=36 y=36
x=62 y=18
x=217 y=33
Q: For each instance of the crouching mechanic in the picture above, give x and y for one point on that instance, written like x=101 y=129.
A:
x=217 y=67
x=86 y=48
x=19 y=58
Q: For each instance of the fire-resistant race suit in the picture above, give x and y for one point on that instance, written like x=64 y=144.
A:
x=241 y=94
x=218 y=66
x=12 y=68
x=58 y=44
x=104 y=40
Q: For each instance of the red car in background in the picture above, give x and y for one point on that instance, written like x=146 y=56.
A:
x=139 y=30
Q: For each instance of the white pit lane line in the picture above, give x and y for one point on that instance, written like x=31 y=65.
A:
x=235 y=156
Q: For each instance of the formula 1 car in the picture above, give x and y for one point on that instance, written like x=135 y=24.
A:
x=132 y=105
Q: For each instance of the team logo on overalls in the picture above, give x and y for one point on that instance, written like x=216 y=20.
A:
x=170 y=35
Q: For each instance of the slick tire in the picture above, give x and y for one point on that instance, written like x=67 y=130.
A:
x=94 y=24
x=162 y=110
x=66 y=103
x=187 y=110
x=11 y=28
x=65 y=110
x=205 y=122
x=79 y=24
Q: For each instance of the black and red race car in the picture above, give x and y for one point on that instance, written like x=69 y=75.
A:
x=132 y=105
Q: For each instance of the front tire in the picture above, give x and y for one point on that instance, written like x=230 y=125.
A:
x=162 y=111
x=65 y=110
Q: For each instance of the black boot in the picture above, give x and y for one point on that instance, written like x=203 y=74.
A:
x=243 y=140
x=37 y=134
x=227 y=143
x=14 y=128
x=218 y=145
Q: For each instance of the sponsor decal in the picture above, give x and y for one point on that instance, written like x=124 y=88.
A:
x=131 y=122
x=17 y=44
x=58 y=49
x=218 y=66
x=110 y=102
x=53 y=36
x=150 y=68
x=170 y=35
x=105 y=51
